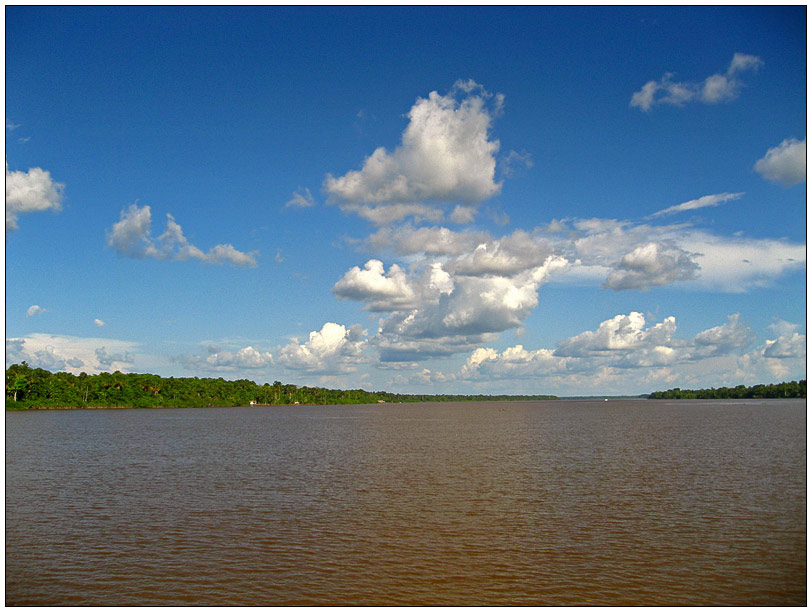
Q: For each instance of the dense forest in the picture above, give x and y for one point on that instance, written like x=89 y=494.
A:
x=30 y=388
x=785 y=389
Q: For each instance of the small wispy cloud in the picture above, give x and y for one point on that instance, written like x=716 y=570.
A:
x=703 y=202
x=714 y=89
x=35 y=310
x=513 y=160
x=99 y=323
x=301 y=199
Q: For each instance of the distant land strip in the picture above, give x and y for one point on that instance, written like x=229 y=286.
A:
x=780 y=390
x=36 y=388
x=30 y=388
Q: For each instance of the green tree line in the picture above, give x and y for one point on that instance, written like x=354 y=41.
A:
x=784 y=389
x=30 y=388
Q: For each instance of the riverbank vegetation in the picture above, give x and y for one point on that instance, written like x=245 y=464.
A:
x=781 y=390
x=32 y=388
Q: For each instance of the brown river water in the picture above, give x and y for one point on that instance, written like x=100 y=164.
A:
x=523 y=503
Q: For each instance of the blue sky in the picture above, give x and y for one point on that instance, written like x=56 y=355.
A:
x=568 y=200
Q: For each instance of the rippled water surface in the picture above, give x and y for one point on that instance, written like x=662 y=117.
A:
x=538 y=503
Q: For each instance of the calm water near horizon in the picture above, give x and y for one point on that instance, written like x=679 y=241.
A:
x=523 y=503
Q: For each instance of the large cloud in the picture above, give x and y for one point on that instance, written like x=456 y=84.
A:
x=458 y=311
x=131 y=236
x=722 y=339
x=784 y=164
x=382 y=291
x=481 y=304
x=513 y=363
x=28 y=192
x=621 y=333
x=507 y=256
x=652 y=264
x=334 y=349
x=712 y=90
x=442 y=307
x=786 y=347
x=622 y=253
x=445 y=155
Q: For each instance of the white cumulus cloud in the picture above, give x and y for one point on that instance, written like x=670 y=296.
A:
x=445 y=154
x=334 y=349
x=596 y=360
x=506 y=256
x=382 y=291
x=784 y=164
x=621 y=333
x=131 y=236
x=722 y=339
x=28 y=192
x=652 y=264
x=457 y=311
x=786 y=347
x=456 y=290
x=513 y=363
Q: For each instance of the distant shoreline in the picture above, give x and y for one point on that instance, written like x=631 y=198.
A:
x=30 y=388
x=497 y=401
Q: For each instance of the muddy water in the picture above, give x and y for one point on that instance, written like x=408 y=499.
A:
x=538 y=503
